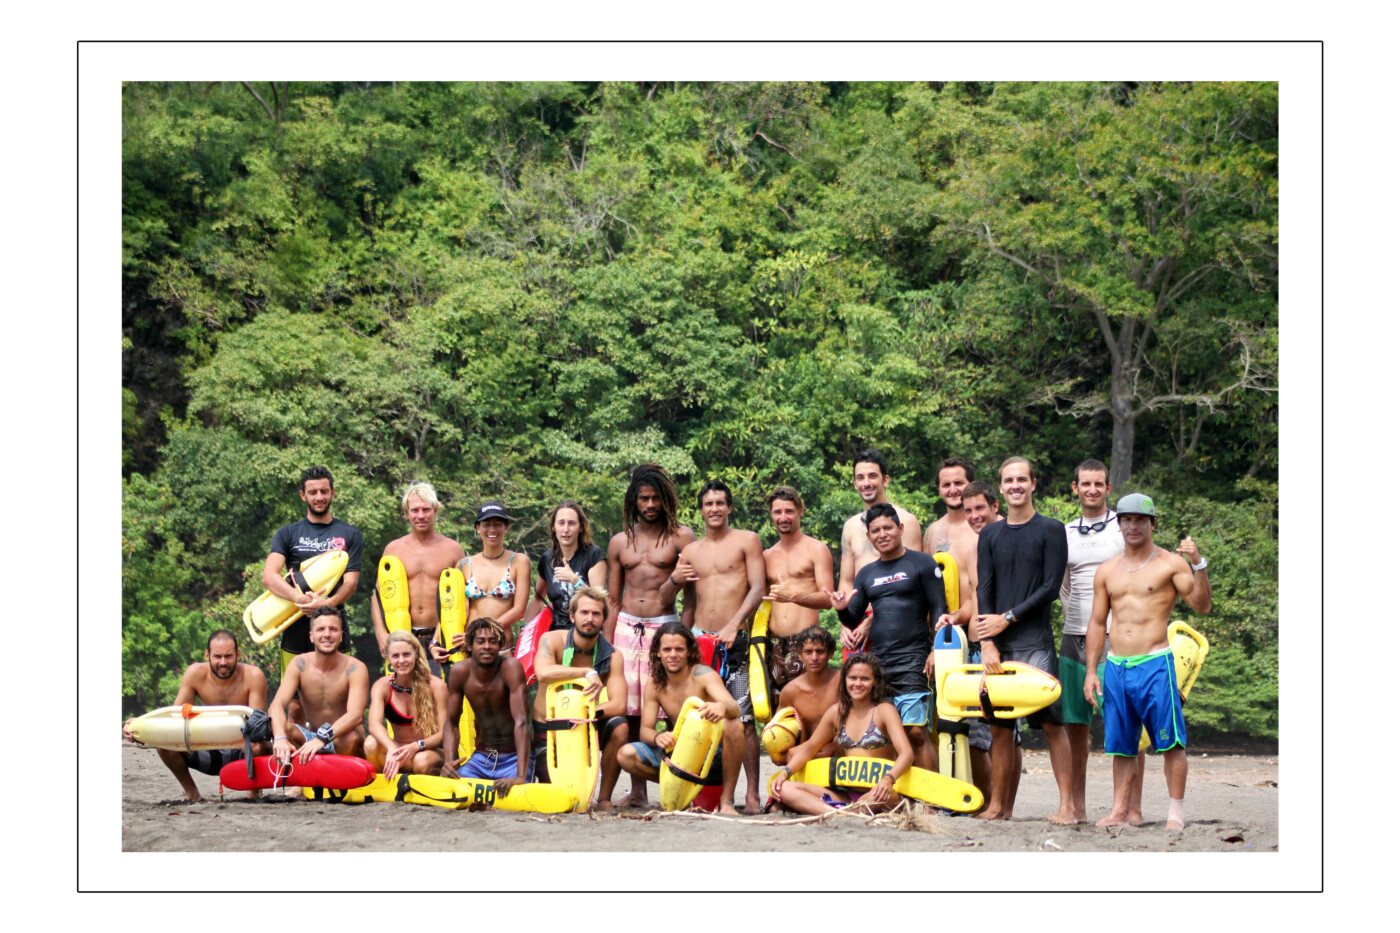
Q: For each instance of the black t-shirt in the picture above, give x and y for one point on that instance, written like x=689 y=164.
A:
x=903 y=592
x=558 y=592
x=1020 y=569
x=303 y=540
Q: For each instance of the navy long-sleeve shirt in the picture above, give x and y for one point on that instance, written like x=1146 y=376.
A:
x=1020 y=569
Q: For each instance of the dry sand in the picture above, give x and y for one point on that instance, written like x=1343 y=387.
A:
x=1232 y=804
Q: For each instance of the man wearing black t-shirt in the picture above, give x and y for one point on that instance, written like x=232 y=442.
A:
x=294 y=544
x=905 y=588
x=1020 y=564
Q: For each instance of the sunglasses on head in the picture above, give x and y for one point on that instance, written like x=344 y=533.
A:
x=1095 y=527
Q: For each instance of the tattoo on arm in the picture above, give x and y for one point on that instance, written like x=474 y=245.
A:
x=301 y=664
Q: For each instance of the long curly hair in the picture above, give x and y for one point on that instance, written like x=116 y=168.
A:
x=425 y=711
x=692 y=651
x=878 y=688
x=655 y=476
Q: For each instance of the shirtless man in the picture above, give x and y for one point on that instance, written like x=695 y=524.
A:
x=981 y=508
x=493 y=682
x=582 y=651
x=334 y=690
x=799 y=570
x=872 y=478
x=726 y=570
x=221 y=681
x=953 y=475
x=641 y=590
x=676 y=675
x=1139 y=688
x=816 y=689
x=425 y=554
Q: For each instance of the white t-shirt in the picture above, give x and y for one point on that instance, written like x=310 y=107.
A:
x=1086 y=552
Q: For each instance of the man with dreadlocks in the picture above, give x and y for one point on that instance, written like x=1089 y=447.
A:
x=493 y=683
x=641 y=590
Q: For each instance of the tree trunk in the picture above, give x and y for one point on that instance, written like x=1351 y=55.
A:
x=1120 y=462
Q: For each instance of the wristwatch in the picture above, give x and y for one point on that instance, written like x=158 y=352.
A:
x=1009 y=616
x=422 y=745
x=1200 y=566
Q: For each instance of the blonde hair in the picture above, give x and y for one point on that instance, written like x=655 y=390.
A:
x=424 y=491
x=425 y=711
x=592 y=592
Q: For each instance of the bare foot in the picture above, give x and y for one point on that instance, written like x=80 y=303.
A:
x=1135 y=818
x=1080 y=815
x=193 y=796
x=753 y=805
x=634 y=799
x=990 y=814
x=1174 y=827
x=1063 y=817
x=728 y=809
x=1116 y=819
x=604 y=805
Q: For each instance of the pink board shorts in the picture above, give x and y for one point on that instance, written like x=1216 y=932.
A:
x=632 y=643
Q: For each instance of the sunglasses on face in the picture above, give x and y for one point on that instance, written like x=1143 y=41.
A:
x=1095 y=527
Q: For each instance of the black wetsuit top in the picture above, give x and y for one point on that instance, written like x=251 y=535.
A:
x=1020 y=569
x=904 y=592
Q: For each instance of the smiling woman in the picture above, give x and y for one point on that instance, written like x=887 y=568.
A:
x=497 y=580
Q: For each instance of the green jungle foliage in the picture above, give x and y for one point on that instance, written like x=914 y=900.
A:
x=518 y=291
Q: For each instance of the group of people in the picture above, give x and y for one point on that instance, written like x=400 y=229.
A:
x=616 y=624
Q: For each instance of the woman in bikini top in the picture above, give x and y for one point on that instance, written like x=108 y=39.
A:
x=413 y=703
x=860 y=710
x=497 y=581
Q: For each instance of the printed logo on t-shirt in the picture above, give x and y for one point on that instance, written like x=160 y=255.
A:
x=892 y=578
x=319 y=544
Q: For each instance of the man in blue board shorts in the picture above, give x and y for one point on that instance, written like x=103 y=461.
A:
x=1140 y=587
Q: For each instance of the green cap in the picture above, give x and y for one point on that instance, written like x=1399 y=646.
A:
x=1136 y=504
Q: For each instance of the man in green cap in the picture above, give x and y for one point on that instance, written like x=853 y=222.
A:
x=1140 y=587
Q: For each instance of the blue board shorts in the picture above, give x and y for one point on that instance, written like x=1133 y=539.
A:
x=488 y=764
x=1140 y=692
x=913 y=708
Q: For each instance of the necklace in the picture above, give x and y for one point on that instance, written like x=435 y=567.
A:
x=1146 y=562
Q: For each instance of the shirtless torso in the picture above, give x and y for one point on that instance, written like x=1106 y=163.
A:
x=799 y=568
x=857 y=551
x=727 y=571
x=1141 y=591
x=639 y=572
x=334 y=688
x=811 y=695
x=425 y=557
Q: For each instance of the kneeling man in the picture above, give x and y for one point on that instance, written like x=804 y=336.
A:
x=582 y=651
x=221 y=681
x=334 y=690
x=493 y=682
x=677 y=675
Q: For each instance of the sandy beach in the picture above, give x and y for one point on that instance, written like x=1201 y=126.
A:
x=1232 y=805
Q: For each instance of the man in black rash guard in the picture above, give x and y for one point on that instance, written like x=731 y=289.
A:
x=905 y=588
x=1020 y=565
